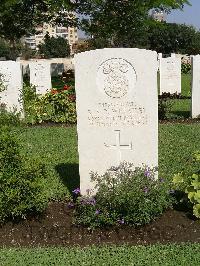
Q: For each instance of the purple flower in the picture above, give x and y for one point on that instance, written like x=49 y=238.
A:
x=121 y=221
x=70 y=205
x=147 y=172
x=92 y=201
x=162 y=180
x=97 y=212
x=76 y=191
x=146 y=190
x=88 y=201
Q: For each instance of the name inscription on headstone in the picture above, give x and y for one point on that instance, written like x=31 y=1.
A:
x=117 y=114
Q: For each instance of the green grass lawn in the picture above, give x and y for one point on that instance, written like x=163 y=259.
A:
x=181 y=108
x=182 y=255
x=57 y=148
x=186 y=80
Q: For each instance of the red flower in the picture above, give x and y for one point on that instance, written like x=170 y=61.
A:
x=72 y=97
x=54 y=91
x=66 y=88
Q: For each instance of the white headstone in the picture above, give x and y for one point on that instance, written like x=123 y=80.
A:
x=170 y=75
x=40 y=76
x=195 y=86
x=117 y=109
x=11 y=78
x=159 y=56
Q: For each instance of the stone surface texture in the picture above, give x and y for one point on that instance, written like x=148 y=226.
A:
x=117 y=109
x=195 y=86
x=11 y=78
x=170 y=75
x=40 y=76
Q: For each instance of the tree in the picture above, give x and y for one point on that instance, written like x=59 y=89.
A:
x=123 y=22
x=20 y=17
x=169 y=38
x=54 y=47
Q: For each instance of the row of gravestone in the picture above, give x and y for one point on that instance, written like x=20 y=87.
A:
x=117 y=105
x=12 y=81
x=170 y=78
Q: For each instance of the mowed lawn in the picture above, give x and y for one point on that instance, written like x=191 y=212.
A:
x=57 y=148
x=171 y=255
x=181 y=108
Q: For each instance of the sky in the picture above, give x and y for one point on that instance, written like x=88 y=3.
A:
x=190 y=15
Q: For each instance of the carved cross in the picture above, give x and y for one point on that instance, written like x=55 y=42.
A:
x=118 y=146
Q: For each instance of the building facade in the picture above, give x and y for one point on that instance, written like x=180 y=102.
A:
x=68 y=33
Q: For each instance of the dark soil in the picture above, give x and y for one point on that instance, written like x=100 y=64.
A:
x=181 y=121
x=55 y=228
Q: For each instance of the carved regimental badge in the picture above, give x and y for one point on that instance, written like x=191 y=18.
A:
x=116 y=77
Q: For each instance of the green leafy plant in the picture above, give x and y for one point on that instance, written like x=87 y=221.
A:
x=190 y=185
x=164 y=108
x=56 y=106
x=186 y=68
x=124 y=196
x=21 y=180
x=9 y=118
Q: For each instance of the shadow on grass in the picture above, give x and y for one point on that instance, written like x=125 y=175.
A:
x=69 y=174
x=184 y=114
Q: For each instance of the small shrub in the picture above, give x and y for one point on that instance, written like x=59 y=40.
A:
x=9 y=118
x=21 y=180
x=56 y=106
x=164 y=108
x=189 y=185
x=124 y=196
x=186 y=68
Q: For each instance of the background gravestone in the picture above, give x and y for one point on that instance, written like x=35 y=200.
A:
x=11 y=77
x=195 y=86
x=40 y=76
x=57 y=69
x=170 y=75
x=117 y=109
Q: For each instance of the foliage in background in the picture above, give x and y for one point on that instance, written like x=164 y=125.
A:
x=190 y=185
x=7 y=51
x=169 y=38
x=21 y=180
x=54 y=47
x=124 y=196
x=19 y=18
x=56 y=106
x=186 y=68
x=121 y=23
x=4 y=48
